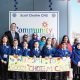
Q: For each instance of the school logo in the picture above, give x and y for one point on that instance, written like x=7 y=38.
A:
x=53 y=15
x=14 y=15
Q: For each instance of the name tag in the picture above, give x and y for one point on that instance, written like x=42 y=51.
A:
x=5 y=56
x=64 y=58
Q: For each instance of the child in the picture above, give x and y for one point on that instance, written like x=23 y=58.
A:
x=42 y=42
x=76 y=61
x=63 y=52
x=36 y=53
x=76 y=40
x=16 y=51
x=25 y=38
x=48 y=51
x=54 y=42
x=25 y=52
x=5 y=50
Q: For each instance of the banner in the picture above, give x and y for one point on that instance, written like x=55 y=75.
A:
x=28 y=64
x=44 y=23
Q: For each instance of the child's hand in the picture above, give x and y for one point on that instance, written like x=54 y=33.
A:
x=40 y=56
x=58 y=58
x=15 y=56
x=2 y=61
x=46 y=57
x=5 y=62
x=66 y=56
x=50 y=56
x=79 y=64
x=34 y=56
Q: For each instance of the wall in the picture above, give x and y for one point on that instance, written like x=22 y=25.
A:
x=38 y=5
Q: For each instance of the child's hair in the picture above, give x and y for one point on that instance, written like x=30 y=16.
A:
x=3 y=37
x=25 y=35
x=47 y=40
x=43 y=37
x=54 y=44
x=53 y=38
x=75 y=40
x=63 y=42
x=35 y=42
x=25 y=41
x=15 y=40
x=77 y=45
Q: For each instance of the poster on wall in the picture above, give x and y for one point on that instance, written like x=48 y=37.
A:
x=74 y=20
x=44 y=23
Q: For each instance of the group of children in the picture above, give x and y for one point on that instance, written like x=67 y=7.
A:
x=39 y=48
